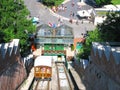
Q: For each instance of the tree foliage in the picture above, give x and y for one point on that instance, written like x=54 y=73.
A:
x=92 y=36
x=52 y=2
x=49 y=2
x=110 y=28
x=13 y=22
x=108 y=31
x=102 y=2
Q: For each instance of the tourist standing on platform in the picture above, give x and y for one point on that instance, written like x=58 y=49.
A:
x=72 y=3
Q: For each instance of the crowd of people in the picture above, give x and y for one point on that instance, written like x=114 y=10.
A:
x=72 y=14
x=59 y=8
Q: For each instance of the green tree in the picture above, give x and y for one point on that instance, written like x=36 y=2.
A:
x=13 y=22
x=108 y=31
x=110 y=28
x=52 y=2
x=49 y=2
x=102 y=2
x=92 y=36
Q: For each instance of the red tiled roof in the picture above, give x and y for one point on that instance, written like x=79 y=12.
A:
x=78 y=40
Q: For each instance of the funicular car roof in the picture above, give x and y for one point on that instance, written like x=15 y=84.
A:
x=43 y=61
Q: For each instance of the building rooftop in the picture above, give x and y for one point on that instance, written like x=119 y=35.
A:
x=61 y=31
x=78 y=40
x=59 y=35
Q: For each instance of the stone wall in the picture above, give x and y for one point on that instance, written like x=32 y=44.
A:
x=99 y=80
x=77 y=67
x=94 y=78
x=9 y=60
x=13 y=76
x=81 y=72
x=12 y=69
x=109 y=67
x=103 y=70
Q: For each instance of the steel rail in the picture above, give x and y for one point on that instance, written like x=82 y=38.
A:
x=58 y=77
x=65 y=71
x=67 y=77
x=37 y=84
x=42 y=85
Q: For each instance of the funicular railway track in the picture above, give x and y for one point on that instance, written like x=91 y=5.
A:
x=63 y=80
x=50 y=75
x=41 y=85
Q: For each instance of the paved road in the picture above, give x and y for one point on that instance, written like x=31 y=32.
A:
x=38 y=10
x=70 y=8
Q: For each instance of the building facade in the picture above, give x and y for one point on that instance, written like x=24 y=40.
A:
x=54 y=41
